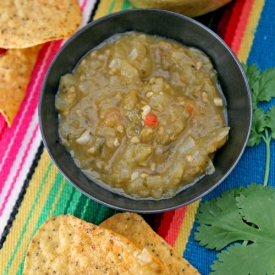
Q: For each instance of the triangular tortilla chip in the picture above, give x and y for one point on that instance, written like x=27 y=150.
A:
x=16 y=67
x=68 y=245
x=26 y=23
x=135 y=228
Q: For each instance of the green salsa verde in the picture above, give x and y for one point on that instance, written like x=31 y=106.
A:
x=142 y=115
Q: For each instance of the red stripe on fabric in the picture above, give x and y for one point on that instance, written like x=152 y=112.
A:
x=3 y=126
x=169 y=227
x=18 y=171
x=175 y=225
x=166 y=221
x=224 y=20
x=228 y=24
x=237 y=40
x=13 y=137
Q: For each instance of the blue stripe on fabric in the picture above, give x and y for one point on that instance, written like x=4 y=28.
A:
x=263 y=49
x=251 y=166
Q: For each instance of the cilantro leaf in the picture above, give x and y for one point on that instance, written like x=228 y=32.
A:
x=258 y=125
x=252 y=259
x=220 y=222
x=253 y=74
x=256 y=203
x=270 y=120
x=228 y=218
x=261 y=84
x=266 y=85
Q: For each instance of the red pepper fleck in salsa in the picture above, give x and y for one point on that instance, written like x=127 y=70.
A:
x=151 y=120
x=190 y=109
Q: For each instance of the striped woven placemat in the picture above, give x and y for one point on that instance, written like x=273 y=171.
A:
x=32 y=189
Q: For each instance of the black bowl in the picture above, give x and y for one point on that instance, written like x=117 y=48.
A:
x=170 y=25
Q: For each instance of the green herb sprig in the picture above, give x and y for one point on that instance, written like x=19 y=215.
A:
x=245 y=214
x=263 y=123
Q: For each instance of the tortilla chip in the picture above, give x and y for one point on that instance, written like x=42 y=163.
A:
x=25 y=23
x=16 y=67
x=134 y=227
x=68 y=245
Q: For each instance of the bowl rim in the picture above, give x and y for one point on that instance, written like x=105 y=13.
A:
x=134 y=209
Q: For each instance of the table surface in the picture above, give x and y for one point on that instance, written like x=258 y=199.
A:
x=32 y=189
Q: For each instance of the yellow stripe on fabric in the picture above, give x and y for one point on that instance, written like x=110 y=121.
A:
x=105 y=7
x=251 y=27
x=109 y=6
x=186 y=227
x=23 y=227
x=117 y=6
x=51 y=202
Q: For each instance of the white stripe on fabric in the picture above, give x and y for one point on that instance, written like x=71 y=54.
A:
x=25 y=167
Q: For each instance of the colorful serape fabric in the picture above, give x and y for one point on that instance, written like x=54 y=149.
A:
x=32 y=189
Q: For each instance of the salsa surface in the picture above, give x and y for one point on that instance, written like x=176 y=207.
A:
x=142 y=115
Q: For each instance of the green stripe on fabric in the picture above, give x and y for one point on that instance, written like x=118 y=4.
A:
x=70 y=201
x=73 y=204
x=210 y=22
x=65 y=199
x=104 y=213
x=80 y=201
x=86 y=209
x=28 y=218
x=112 y=6
x=126 y=5
x=46 y=209
x=49 y=203
x=96 y=213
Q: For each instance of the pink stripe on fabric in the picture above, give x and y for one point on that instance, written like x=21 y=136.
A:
x=12 y=138
x=18 y=171
x=84 y=5
x=175 y=225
